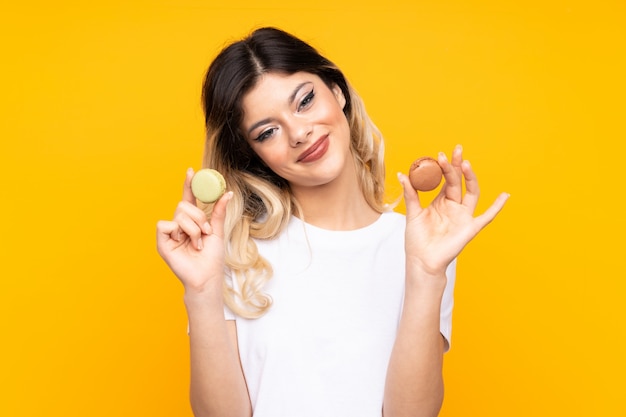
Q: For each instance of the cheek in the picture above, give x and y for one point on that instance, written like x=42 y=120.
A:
x=337 y=115
x=271 y=155
x=342 y=121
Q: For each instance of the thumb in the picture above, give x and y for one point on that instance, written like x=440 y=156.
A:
x=218 y=216
x=187 y=193
x=411 y=198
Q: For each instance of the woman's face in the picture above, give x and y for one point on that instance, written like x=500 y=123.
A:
x=296 y=124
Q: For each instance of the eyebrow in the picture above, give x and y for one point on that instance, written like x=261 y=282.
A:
x=292 y=98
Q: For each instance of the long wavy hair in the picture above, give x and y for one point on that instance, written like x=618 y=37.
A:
x=262 y=202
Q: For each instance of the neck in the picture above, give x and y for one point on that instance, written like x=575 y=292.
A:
x=339 y=205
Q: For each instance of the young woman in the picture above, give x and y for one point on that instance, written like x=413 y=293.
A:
x=306 y=294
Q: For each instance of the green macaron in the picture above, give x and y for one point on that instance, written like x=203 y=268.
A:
x=208 y=185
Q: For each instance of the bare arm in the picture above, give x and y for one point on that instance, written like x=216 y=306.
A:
x=217 y=387
x=435 y=235
x=414 y=385
x=194 y=250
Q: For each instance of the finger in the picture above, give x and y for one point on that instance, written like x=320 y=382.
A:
x=411 y=197
x=189 y=210
x=452 y=174
x=218 y=216
x=187 y=193
x=166 y=230
x=194 y=231
x=192 y=222
x=472 y=191
x=457 y=156
x=491 y=213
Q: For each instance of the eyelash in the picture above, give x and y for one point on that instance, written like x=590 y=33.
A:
x=306 y=102
x=266 y=134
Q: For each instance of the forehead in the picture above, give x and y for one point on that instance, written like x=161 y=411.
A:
x=275 y=87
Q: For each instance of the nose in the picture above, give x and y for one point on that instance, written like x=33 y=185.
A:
x=300 y=131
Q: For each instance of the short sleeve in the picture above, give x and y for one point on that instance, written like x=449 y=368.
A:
x=447 y=303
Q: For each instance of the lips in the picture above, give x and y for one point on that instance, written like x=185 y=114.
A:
x=315 y=151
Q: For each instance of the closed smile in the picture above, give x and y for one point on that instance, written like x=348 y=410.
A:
x=315 y=151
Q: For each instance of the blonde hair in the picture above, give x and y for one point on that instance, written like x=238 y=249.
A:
x=262 y=203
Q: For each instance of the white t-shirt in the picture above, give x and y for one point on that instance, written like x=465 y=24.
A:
x=323 y=348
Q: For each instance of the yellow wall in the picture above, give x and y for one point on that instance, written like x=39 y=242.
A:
x=101 y=117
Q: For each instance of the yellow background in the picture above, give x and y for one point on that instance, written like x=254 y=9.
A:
x=101 y=118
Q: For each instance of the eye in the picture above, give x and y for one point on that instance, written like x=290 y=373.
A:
x=306 y=101
x=266 y=134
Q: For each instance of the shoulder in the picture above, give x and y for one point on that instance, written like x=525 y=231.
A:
x=393 y=216
x=393 y=220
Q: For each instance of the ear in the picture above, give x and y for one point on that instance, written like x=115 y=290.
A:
x=341 y=99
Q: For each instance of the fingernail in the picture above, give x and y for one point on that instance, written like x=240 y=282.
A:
x=200 y=244
x=206 y=228
x=442 y=156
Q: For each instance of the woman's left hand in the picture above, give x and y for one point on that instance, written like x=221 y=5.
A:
x=436 y=234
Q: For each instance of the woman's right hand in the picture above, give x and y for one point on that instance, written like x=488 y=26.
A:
x=192 y=247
